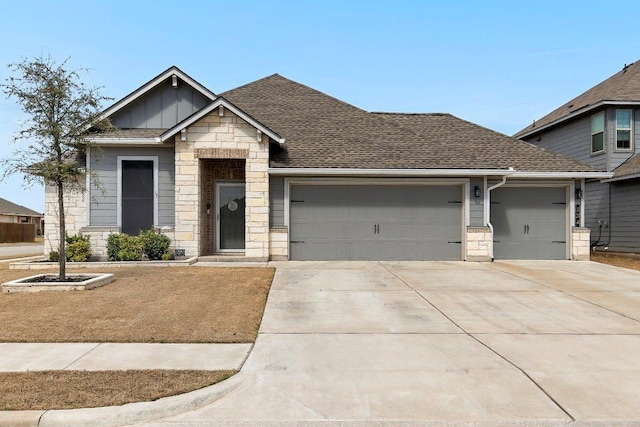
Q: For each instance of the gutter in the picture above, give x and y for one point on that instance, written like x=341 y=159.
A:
x=387 y=172
x=487 y=208
x=622 y=178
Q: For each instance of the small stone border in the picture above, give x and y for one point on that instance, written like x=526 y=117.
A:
x=103 y=264
x=24 y=285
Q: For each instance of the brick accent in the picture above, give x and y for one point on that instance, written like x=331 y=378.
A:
x=580 y=244
x=479 y=243
x=221 y=153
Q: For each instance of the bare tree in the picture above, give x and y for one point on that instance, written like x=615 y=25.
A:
x=59 y=109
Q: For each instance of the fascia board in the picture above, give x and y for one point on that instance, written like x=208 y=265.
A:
x=388 y=172
x=565 y=175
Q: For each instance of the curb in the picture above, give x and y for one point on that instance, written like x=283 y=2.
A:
x=131 y=413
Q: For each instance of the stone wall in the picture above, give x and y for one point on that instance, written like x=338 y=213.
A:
x=279 y=244
x=580 y=244
x=75 y=215
x=479 y=243
x=232 y=137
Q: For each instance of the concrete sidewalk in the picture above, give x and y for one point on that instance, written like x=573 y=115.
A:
x=18 y=357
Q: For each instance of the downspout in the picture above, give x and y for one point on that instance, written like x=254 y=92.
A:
x=487 y=208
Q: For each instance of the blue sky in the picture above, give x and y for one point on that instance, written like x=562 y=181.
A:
x=500 y=64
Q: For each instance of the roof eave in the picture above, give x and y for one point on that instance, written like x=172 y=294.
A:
x=623 y=177
x=125 y=141
x=563 y=175
x=575 y=114
x=387 y=172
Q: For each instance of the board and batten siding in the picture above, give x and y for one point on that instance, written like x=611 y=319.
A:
x=596 y=210
x=572 y=140
x=161 y=108
x=625 y=227
x=104 y=197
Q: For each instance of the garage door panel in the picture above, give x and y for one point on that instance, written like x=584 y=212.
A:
x=375 y=222
x=529 y=222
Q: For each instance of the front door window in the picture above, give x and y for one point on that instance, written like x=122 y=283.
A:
x=230 y=217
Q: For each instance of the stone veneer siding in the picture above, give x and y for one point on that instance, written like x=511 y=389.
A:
x=479 y=243
x=580 y=244
x=75 y=215
x=212 y=136
x=279 y=244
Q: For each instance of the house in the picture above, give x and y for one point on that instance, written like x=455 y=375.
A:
x=277 y=170
x=601 y=127
x=14 y=213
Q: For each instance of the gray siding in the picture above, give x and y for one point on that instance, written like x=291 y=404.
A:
x=625 y=206
x=161 y=108
x=476 y=205
x=103 y=206
x=596 y=210
x=572 y=140
x=276 y=201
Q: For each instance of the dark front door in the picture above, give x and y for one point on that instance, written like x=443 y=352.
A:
x=230 y=216
x=137 y=195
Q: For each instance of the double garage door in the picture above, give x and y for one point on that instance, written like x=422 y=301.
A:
x=420 y=222
x=375 y=222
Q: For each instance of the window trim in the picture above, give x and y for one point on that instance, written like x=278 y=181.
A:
x=154 y=159
x=604 y=125
x=630 y=129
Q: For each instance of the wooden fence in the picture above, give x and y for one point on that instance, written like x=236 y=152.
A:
x=14 y=232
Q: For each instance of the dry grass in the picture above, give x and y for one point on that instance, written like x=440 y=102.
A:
x=619 y=260
x=82 y=389
x=143 y=304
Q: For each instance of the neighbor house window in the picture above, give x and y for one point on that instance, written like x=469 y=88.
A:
x=597 y=133
x=623 y=129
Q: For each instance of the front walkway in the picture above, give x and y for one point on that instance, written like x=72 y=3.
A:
x=424 y=343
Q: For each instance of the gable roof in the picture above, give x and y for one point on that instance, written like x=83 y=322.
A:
x=621 y=88
x=10 y=208
x=154 y=82
x=324 y=132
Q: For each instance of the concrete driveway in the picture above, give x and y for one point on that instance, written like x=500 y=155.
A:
x=423 y=343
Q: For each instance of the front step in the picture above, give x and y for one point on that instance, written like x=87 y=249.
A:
x=230 y=258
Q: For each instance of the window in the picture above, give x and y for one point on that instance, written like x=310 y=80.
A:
x=623 y=129
x=597 y=133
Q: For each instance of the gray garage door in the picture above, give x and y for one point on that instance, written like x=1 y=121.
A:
x=365 y=222
x=529 y=223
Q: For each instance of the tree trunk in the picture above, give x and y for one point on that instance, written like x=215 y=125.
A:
x=62 y=256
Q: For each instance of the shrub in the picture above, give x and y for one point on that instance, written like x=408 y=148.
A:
x=53 y=256
x=156 y=245
x=78 y=248
x=122 y=247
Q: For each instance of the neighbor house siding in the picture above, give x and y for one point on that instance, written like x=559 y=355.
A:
x=276 y=201
x=162 y=108
x=104 y=191
x=476 y=205
x=597 y=210
x=625 y=227
x=572 y=140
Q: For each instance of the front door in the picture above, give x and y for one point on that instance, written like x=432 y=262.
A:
x=230 y=203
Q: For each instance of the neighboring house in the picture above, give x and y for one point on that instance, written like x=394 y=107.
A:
x=602 y=127
x=277 y=170
x=11 y=212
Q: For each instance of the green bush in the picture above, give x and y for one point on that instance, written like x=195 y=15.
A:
x=53 y=256
x=122 y=247
x=156 y=245
x=78 y=248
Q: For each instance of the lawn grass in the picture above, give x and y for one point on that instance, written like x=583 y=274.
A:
x=142 y=305
x=88 y=389
x=626 y=261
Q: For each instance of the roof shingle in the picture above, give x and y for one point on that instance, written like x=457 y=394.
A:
x=10 y=208
x=324 y=132
x=622 y=86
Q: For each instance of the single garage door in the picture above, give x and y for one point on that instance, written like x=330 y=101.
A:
x=529 y=223
x=383 y=222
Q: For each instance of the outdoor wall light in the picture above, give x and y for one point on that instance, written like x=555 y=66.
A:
x=476 y=191
x=578 y=194
x=208 y=207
